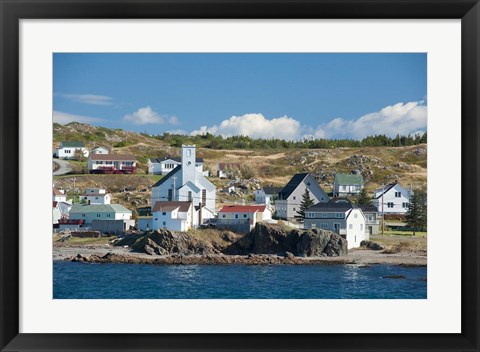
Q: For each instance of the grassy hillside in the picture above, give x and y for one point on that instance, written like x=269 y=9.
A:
x=275 y=167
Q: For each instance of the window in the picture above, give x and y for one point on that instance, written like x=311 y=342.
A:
x=313 y=226
x=294 y=197
x=324 y=215
x=398 y=194
x=204 y=196
x=236 y=216
x=324 y=226
x=189 y=196
x=390 y=205
x=98 y=215
x=170 y=194
x=350 y=226
x=164 y=223
x=164 y=213
x=293 y=209
x=83 y=215
x=244 y=215
x=223 y=215
x=355 y=216
x=108 y=215
x=188 y=152
x=361 y=227
x=339 y=215
x=96 y=197
x=405 y=205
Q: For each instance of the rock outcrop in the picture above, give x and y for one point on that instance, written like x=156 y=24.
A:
x=275 y=239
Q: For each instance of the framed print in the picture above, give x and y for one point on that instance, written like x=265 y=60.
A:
x=240 y=176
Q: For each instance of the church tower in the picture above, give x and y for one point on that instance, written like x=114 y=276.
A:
x=188 y=163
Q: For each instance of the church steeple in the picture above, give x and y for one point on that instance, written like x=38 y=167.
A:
x=188 y=163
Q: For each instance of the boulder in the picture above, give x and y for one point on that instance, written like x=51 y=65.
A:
x=371 y=245
x=275 y=239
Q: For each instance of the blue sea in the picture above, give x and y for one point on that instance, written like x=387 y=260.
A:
x=135 y=281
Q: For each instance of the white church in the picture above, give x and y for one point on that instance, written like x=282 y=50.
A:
x=186 y=183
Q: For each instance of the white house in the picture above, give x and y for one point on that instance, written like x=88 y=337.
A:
x=339 y=216
x=99 y=150
x=58 y=195
x=173 y=215
x=67 y=149
x=112 y=164
x=60 y=211
x=186 y=182
x=93 y=212
x=95 y=196
x=267 y=195
x=242 y=218
x=290 y=197
x=347 y=184
x=392 y=199
x=162 y=166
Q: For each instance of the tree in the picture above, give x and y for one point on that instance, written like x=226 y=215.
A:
x=306 y=203
x=417 y=211
x=79 y=156
x=363 y=198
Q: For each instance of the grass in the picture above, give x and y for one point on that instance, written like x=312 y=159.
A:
x=396 y=243
x=418 y=234
x=83 y=241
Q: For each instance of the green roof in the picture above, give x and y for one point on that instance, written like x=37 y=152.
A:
x=73 y=144
x=348 y=179
x=99 y=208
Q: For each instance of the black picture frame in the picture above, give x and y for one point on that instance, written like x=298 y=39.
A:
x=12 y=11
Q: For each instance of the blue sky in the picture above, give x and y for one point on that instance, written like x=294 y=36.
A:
x=262 y=95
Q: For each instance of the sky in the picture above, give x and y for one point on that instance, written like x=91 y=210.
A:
x=262 y=95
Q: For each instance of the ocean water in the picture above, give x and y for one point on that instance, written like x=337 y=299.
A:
x=136 y=281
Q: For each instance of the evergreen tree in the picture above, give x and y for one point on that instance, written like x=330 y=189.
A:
x=417 y=211
x=363 y=198
x=306 y=203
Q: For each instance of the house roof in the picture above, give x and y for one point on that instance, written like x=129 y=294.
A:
x=348 y=179
x=167 y=176
x=178 y=160
x=292 y=185
x=242 y=209
x=115 y=157
x=368 y=208
x=385 y=189
x=93 y=194
x=72 y=144
x=272 y=190
x=171 y=205
x=56 y=192
x=332 y=206
x=100 y=147
x=99 y=208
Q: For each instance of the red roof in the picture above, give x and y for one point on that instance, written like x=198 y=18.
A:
x=242 y=208
x=116 y=157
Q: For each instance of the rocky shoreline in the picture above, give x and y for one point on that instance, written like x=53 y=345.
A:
x=122 y=256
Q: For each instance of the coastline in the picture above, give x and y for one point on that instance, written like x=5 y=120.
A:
x=112 y=254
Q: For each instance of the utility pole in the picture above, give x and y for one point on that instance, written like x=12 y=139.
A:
x=74 y=189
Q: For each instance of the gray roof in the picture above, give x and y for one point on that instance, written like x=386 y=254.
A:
x=99 y=208
x=167 y=176
x=348 y=179
x=292 y=185
x=368 y=208
x=386 y=189
x=332 y=206
x=178 y=160
x=72 y=144
x=272 y=190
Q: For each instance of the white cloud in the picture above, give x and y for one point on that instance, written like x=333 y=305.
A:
x=91 y=99
x=63 y=118
x=173 y=120
x=400 y=119
x=144 y=116
x=256 y=126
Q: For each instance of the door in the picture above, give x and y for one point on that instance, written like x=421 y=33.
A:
x=370 y=230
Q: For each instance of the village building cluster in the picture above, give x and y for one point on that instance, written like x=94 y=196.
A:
x=185 y=199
